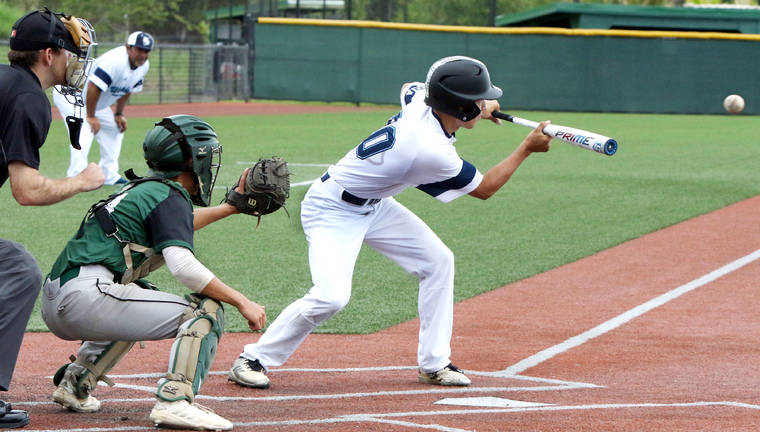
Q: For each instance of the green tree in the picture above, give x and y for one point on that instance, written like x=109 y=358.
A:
x=176 y=20
x=114 y=19
x=8 y=16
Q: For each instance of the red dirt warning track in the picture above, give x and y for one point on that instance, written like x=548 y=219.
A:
x=690 y=364
x=233 y=108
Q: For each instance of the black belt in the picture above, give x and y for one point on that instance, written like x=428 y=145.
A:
x=351 y=198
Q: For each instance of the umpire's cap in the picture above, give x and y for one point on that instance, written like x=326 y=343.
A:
x=41 y=29
x=140 y=40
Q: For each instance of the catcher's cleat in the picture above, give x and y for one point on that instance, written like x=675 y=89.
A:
x=448 y=376
x=249 y=373
x=182 y=414
x=64 y=396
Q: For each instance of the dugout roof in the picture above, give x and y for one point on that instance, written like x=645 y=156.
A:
x=612 y=16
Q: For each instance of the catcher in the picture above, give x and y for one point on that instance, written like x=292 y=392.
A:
x=95 y=291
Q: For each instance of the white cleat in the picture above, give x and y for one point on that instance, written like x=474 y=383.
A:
x=249 y=373
x=448 y=376
x=65 y=397
x=184 y=415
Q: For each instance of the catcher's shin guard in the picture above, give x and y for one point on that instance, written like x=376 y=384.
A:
x=91 y=373
x=193 y=350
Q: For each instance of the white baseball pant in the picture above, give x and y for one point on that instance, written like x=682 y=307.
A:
x=335 y=231
x=109 y=137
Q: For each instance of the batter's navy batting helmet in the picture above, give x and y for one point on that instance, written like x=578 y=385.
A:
x=185 y=143
x=454 y=84
x=140 y=40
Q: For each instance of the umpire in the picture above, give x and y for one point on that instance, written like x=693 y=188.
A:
x=42 y=50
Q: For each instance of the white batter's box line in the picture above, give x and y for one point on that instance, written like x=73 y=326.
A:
x=429 y=391
x=502 y=374
x=351 y=418
x=434 y=390
x=435 y=427
x=445 y=391
x=495 y=374
x=384 y=417
x=108 y=429
x=275 y=370
x=460 y=412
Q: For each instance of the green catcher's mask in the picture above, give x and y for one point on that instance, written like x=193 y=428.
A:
x=182 y=143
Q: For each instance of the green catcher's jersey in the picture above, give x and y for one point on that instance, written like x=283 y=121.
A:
x=152 y=214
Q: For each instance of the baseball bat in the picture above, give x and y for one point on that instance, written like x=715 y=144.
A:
x=579 y=137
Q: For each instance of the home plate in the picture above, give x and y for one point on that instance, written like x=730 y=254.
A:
x=488 y=401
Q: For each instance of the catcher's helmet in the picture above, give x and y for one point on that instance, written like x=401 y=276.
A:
x=182 y=143
x=454 y=84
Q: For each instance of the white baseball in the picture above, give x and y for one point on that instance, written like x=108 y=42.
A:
x=733 y=103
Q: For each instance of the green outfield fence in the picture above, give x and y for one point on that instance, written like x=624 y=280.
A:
x=188 y=73
x=538 y=68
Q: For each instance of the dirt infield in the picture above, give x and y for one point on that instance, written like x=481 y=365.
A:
x=659 y=333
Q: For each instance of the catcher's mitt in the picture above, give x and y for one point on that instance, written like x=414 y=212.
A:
x=265 y=188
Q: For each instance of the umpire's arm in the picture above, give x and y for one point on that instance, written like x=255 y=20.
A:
x=30 y=188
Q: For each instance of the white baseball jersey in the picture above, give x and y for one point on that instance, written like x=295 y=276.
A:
x=413 y=149
x=114 y=77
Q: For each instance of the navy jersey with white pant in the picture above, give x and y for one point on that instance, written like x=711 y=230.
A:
x=353 y=204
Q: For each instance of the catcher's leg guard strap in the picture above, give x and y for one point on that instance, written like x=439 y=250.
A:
x=92 y=372
x=193 y=350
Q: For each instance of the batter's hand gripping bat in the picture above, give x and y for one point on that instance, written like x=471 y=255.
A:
x=579 y=137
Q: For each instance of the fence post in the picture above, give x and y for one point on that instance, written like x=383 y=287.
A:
x=189 y=74
x=160 y=73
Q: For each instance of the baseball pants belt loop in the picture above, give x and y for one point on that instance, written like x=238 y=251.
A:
x=351 y=198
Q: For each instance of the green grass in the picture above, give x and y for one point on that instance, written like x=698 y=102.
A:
x=558 y=208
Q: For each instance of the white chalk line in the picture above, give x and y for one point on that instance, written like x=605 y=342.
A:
x=625 y=317
x=427 y=391
x=318 y=165
x=294 y=164
x=386 y=417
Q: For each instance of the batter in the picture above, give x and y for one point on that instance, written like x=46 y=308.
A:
x=352 y=203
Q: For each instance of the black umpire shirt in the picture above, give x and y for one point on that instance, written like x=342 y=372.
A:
x=24 y=118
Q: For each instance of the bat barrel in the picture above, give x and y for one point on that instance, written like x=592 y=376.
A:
x=610 y=147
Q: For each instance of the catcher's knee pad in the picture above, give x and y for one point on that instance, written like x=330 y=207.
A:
x=84 y=375
x=193 y=350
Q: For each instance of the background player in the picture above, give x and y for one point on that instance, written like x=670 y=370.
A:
x=353 y=204
x=116 y=74
x=94 y=291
